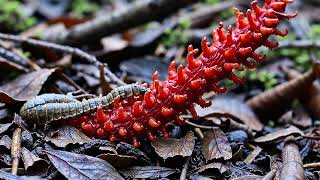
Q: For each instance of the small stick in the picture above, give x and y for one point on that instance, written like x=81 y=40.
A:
x=61 y=48
x=270 y=175
x=15 y=149
x=292 y=167
x=199 y=133
x=273 y=102
x=198 y=125
x=137 y=13
x=315 y=165
x=185 y=169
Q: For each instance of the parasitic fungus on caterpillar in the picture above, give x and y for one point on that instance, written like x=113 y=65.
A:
x=145 y=116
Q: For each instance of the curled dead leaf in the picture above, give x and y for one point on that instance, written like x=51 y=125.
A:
x=281 y=133
x=33 y=164
x=230 y=107
x=25 y=86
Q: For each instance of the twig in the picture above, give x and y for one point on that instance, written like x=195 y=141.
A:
x=199 y=133
x=138 y=13
x=198 y=125
x=61 y=48
x=273 y=102
x=312 y=165
x=185 y=169
x=270 y=175
x=15 y=149
x=292 y=167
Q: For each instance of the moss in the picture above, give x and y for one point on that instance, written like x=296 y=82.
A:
x=11 y=17
x=178 y=35
x=81 y=8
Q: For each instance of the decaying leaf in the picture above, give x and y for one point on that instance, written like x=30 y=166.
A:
x=282 y=133
x=78 y=166
x=4 y=127
x=230 y=107
x=274 y=102
x=119 y=161
x=127 y=149
x=215 y=165
x=25 y=86
x=68 y=135
x=166 y=148
x=215 y=145
x=256 y=151
x=5 y=142
x=7 y=176
x=248 y=177
x=148 y=172
x=33 y=165
x=298 y=116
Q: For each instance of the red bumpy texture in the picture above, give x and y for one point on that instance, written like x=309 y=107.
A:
x=147 y=116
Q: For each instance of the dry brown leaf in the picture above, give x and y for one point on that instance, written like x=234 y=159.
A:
x=248 y=177
x=4 y=127
x=25 y=86
x=119 y=161
x=5 y=142
x=68 y=135
x=256 y=151
x=282 y=133
x=216 y=165
x=33 y=165
x=148 y=172
x=215 y=145
x=166 y=148
x=227 y=106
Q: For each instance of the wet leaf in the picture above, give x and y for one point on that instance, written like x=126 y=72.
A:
x=166 y=148
x=9 y=67
x=216 y=165
x=77 y=166
x=127 y=149
x=248 y=177
x=230 y=107
x=68 y=135
x=215 y=145
x=33 y=165
x=150 y=172
x=10 y=176
x=298 y=117
x=281 y=133
x=256 y=151
x=4 y=127
x=119 y=161
x=5 y=142
x=25 y=86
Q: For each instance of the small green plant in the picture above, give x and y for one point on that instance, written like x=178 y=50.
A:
x=12 y=18
x=315 y=31
x=212 y=2
x=81 y=8
x=266 y=78
x=178 y=35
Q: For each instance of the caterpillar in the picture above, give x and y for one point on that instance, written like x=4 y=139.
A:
x=46 y=108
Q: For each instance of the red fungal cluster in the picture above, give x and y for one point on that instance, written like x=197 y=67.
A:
x=147 y=116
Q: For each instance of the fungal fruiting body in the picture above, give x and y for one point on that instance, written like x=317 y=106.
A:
x=147 y=116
